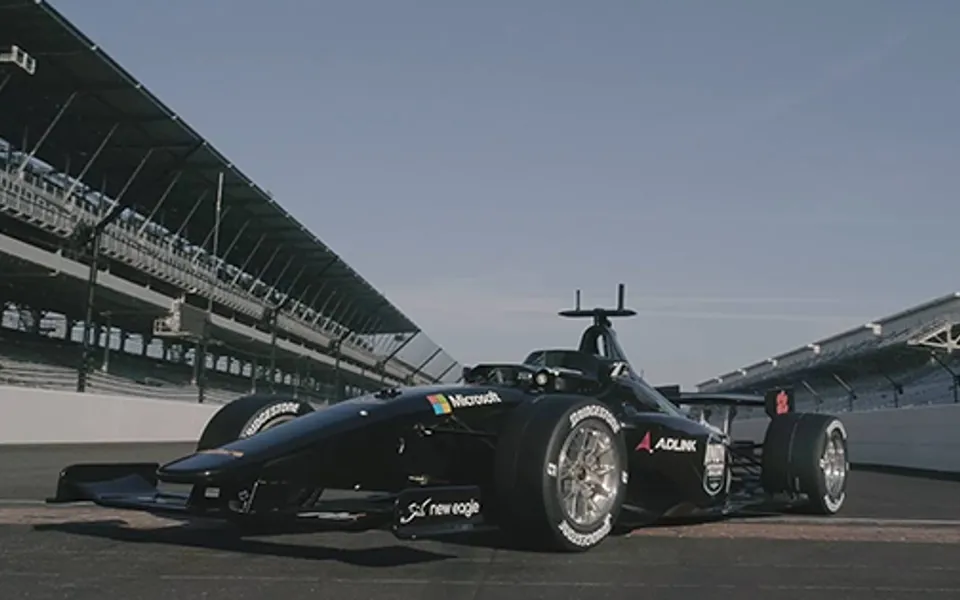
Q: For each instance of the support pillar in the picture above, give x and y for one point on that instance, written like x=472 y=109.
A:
x=953 y=375
x=274 y=314
x=75 y=181
x=82 y=371
x=107 y=335
x=851 y=395
x=897 y=388
x=46 y=133
x=445 y=371
x=412 y=377
x=382 y=364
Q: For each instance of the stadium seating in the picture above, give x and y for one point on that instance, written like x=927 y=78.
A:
x=42 y=198
x=50 y=362
x=925 y=385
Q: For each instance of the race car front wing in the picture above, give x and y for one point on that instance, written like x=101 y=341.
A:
x=412 y=513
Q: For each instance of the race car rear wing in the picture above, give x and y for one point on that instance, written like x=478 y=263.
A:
x=775 y=402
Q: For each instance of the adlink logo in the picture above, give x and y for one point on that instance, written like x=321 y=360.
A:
x=675 y=445
x=466 y=401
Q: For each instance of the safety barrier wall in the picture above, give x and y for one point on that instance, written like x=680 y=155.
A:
x=31 y=416
x=915 y=437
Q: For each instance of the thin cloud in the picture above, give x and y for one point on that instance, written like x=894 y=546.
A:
x=823 y=218
x=744 y=300
x=840 y=71
x=735 y=316
x=477 y=304
x=479 y=319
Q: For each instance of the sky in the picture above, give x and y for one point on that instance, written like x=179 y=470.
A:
x=760 y=174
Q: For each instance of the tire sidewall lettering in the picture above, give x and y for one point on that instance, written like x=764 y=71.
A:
x=586 y=539
x=597 y=411
x=269 y=413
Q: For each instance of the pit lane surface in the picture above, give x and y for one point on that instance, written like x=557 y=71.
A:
x=899 y=537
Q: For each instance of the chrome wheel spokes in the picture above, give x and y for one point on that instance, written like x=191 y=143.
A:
x=833 y=464
x=587 y=475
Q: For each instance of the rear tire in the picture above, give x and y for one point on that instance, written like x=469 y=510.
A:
x=561 y=473
x=805 y=453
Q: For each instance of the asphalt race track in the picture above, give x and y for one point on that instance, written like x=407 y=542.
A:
x=899 y=537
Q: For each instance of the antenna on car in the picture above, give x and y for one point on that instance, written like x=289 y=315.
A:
x=601 y=316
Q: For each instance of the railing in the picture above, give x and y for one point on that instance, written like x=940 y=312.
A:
x=55 y=377
x=34 y=200
x=923 y=385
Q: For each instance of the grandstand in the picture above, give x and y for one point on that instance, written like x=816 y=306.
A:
x=906 y=359
x=204 y=287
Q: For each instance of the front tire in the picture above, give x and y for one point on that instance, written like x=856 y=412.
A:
x=561 y=471
x=249 y=416
x=246 y=417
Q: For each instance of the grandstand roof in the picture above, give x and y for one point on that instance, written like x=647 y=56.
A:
x=931 y=324
x=68 y=63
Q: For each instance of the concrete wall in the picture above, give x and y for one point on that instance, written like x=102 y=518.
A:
x=31 y=416
x=919 y=437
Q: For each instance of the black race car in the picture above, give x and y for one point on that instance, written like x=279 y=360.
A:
x=561 y=450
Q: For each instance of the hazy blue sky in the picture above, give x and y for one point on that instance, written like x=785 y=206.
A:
x=760 y=174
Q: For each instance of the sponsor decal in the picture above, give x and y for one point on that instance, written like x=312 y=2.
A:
x=597 y=411
x=274 y=411
x=714 y=467
x=667 y=444
x=444 y=404
x=428 y=508
x=440 y=404
x=233 y=453
x=676 y=445
x=619 y=369
x=783 y=403
x=586 y=539
x=645 y=444
x=330 y=516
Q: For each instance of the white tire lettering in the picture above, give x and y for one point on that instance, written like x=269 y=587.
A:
x=596 y=411
x=272 y=412
x=585 y=540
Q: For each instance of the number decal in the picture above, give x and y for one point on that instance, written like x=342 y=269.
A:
x=783 y=403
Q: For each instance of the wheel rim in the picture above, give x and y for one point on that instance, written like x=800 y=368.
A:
x=587 y=475
x=833 y=464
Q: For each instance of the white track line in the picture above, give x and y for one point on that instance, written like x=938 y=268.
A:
x=789 y=520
